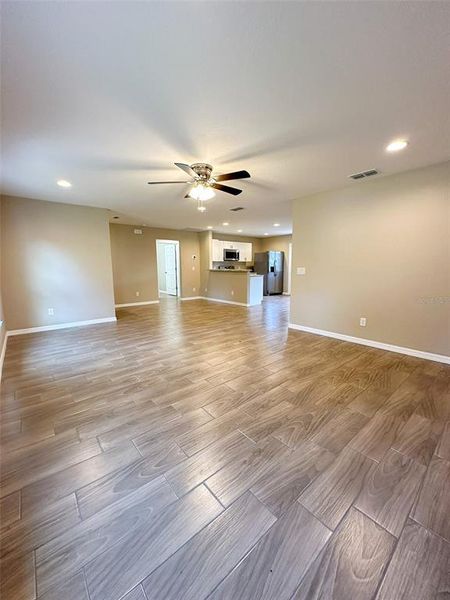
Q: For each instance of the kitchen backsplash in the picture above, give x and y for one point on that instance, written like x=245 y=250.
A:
x=232 y=263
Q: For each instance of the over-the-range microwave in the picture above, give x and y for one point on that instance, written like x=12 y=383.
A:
x=230 y=254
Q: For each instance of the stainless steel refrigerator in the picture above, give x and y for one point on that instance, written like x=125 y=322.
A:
x=271 y=265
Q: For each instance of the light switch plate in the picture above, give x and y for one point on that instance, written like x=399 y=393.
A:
x=301 y=270
x=363 y=321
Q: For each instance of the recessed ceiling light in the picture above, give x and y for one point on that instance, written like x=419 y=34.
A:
x=225 y=224
x=266 y=234
x=63 y=183
x=239 y=230
x=209 y=227
x=276 y=224
x=396 y=145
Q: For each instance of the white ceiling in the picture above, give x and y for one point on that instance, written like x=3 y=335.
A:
x=110 y=94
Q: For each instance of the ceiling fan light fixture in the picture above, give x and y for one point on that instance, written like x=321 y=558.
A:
x=201 y=191
x=204 y=185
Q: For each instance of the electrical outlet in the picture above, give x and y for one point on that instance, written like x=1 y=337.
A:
x=193 y=268
x=194 y=289
x=137 y=294
x=232 y=292
x=301 y=270
x=206 y=289
x=363 y=321
x=51 y=312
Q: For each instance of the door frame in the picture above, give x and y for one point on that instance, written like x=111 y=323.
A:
x=177 y=263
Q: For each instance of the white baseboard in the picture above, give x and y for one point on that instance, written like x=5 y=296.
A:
x=218 y=300
x=137 y=303
x=189 y=298
x=374 y=344
x=215 y=300
x=60 y=326
x=227 y=301
x=2 y=354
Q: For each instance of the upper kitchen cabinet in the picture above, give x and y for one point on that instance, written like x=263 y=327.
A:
x=245 y=251
x=217 y=250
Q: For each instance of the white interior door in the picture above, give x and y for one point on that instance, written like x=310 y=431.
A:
x=170 y=257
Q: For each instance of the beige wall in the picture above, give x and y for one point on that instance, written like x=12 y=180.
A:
x=2 y=314
x=279 y=243
x=377 y=249
x=205 y=238
x=221 y=284
x=54 y=256
x=134 y=262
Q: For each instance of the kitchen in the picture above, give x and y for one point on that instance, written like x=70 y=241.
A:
x=240 y=275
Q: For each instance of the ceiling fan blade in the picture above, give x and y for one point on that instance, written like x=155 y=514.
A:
x=234 y=175
x=227 y=189
x=187 y=169
x=158 y=182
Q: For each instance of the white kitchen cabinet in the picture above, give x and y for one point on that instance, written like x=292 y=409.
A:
x=217 y=250
x=245 y=251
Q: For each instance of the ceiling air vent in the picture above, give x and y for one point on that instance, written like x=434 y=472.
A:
x=363 y=174
x=237 y=208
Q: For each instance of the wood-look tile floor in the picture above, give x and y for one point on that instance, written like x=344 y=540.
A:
x=197 y=450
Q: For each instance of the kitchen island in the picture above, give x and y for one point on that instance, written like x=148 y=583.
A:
x=235 y=286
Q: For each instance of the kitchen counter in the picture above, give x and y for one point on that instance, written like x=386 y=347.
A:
x=236 y=271
x=245 y=288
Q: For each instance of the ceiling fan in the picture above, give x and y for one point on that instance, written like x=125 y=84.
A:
x=204 y=183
